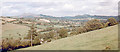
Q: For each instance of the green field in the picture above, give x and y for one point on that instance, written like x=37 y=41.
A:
x=14 y=30
x=94 y=40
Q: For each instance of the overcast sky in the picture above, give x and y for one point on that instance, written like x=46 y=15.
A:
x=59 y=7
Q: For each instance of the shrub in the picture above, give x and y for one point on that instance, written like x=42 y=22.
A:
x=47 y=36
x=63 y=32
x=5 y=45
x=13 y=44
x=49 y=40
x=93 y=25
x=105 y=24
x=112 y=21
x=56 y=37
x=20 y=22
x=52 y=34
x=36 y=41
x=81 y=30
x=10 y=44
x=73 y=33
x=24 y=44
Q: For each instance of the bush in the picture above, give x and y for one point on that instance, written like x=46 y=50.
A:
x=73 y=33
x=24 y=44
x=10 y=44
x=93 y=25
x=52 y=34
x=112 y=21
x=56 y=37
x=36 y=41
x=81 y=30
x=63 y=32
x=13 y=44
x=46 y=36
x=5 y=45
x=105 y=24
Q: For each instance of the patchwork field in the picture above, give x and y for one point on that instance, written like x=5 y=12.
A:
x=94 y=40
x=14 y=30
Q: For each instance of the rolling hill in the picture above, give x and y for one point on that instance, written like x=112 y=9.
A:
x=30 y=15
x=94 y=40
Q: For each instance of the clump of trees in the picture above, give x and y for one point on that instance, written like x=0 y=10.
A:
x=73 y=33
x=11 y=44
x=93 y=25
x=112 y=21
x=81 y=30
x=63 y=32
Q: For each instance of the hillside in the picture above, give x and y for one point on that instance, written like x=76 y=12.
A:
x=13 y=29
x=94 y=40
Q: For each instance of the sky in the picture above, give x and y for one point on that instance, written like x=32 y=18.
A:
x=59 y=7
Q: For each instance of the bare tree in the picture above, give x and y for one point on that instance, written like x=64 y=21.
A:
x=32 y=33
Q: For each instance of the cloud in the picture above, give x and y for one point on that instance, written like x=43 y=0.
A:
x=60 y=7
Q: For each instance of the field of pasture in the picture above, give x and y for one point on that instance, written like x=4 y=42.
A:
x=13 y=30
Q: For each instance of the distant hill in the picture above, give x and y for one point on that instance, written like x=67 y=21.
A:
x=30 y=15
x=90 y=16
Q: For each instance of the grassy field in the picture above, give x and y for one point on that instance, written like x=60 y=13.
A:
x=13 y=29
x=94 y=40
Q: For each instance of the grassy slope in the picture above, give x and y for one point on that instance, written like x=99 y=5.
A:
x=94 y=40
x=13 y=29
